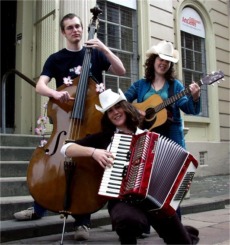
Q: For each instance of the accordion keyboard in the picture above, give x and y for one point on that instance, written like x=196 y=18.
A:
x=112 y=177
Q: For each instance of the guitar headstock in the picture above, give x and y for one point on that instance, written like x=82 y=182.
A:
x=212 y=77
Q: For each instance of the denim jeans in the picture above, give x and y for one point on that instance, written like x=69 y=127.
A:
x=79 y=219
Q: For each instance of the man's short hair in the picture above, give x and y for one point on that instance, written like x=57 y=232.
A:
x=69 y=16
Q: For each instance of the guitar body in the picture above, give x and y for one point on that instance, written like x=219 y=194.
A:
x=153 y=119
x=154 y=106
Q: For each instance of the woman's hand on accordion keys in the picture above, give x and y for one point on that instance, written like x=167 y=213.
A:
x=103 y=157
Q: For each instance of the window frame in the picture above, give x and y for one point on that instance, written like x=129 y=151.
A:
x=190 y=72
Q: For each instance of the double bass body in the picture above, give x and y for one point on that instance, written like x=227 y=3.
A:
x=46 y=175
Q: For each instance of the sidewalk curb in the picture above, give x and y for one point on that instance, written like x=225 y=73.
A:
x=204 y=204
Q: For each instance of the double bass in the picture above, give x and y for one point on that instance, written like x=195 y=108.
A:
x=69 y=185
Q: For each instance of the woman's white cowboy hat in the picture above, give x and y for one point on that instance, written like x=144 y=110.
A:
x=165 y=50
x=108 y=98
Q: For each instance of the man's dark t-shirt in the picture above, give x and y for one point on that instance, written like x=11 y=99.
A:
x=65 y=63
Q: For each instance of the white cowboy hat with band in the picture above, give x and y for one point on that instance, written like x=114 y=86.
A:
x=108 y=98
x=165 y=51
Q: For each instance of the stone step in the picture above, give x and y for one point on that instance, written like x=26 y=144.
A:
x=20 y=140
x=13 y=168
x=11 y=205
x=13 y=186
x=12 y=230
x=16 y=153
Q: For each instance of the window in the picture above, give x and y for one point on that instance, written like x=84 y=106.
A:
x=193 y=52
x=194 y=64
x=118 y=30
x=203 y=158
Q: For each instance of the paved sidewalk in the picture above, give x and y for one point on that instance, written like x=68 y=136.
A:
x=211 y=186
x=213 y=227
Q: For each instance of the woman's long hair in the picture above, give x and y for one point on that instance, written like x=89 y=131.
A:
x=133 y=118
x=150 y=72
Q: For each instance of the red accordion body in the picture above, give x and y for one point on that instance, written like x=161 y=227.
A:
x=157 y=176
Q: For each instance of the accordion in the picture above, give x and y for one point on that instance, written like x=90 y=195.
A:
x=150 y=170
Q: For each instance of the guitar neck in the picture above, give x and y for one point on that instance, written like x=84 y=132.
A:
x=173 y=99
x=154 y=104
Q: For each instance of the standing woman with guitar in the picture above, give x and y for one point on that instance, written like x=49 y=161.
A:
x=64 y=66
x=159 y=84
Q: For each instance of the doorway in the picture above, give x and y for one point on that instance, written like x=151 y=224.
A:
x=8 y=50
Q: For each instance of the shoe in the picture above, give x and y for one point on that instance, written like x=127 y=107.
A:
x=81 y=233
x=194 y=239
x=193 y=233
x=128 y=240
x=27 y=214
x=192 y=230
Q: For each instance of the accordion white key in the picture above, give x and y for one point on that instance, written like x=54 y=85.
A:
x=113 y=177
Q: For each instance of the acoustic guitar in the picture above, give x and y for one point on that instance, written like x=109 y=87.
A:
x=154 y=106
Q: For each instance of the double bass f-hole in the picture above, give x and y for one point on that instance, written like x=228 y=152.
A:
x=56 y=143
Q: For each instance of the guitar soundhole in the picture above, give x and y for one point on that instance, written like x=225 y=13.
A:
x=150 y=114
x=148 y=124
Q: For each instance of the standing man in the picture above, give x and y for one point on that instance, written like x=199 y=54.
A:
x=64 y=66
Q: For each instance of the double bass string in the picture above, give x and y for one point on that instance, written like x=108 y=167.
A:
x=79 y=106
x=82 y=88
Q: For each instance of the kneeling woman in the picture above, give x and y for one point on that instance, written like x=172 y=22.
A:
x=128 y=220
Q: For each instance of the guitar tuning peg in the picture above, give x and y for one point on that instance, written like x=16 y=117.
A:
x=213 y=84
x=223 y=79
